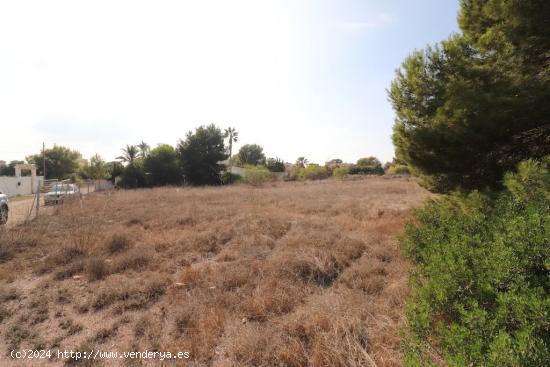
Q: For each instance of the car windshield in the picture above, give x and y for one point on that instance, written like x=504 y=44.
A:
x=58 y=188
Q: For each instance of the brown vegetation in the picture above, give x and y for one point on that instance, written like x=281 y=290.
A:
x=293 y=274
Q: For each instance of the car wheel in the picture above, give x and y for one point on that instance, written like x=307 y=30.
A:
x=3 y=214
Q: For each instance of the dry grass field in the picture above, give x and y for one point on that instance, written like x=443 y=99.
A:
x=290 y=274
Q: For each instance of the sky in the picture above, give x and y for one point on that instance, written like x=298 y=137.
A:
x=298 y=77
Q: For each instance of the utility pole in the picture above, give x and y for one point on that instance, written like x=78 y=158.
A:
x=37 y=198
x=44 y=160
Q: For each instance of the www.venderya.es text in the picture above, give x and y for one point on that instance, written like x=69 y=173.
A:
x=95 y=354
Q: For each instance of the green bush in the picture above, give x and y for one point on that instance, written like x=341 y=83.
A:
x=313 y=172
x=367 y=166
x=340 y=172
x=229 y=178
x=275 y=165
x=133 y=176
x=257 y=175
x=366 y=170
x=398 y=169
x=480 y=285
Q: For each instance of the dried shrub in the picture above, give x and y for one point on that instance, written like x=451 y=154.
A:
x=70 y=270
x=136 y=259
x=4 y=313
x=118 y=243
x=8 y=294
x=16 y=333
x=96 y=269
x=130 y=296
x=134 y=221
x=70 y=327
x=271 y=297
x=6 y=252
x=66 y=255
x=105 y=334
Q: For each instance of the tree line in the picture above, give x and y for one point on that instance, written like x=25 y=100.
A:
x=202 y=158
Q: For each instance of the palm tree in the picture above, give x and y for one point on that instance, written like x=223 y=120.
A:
x=129 y=154
x=144 y=149
x=233 y=135
x=302 y=162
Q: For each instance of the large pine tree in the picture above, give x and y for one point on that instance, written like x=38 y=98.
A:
x=475 y=105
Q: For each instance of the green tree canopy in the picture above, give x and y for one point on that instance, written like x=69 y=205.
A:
x=367 y=166
x=251 y=154
x=232 y=136
x=275 y=165
x=144 y=149
x=162 y=166
x=129 y=154
x=369 y=162
x=114 y=170
x=133 y=175
x=200 y=155
x=97 y=168
x=475 y=105
x=61 y=162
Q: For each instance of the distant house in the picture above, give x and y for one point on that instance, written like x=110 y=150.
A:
x=333 y=163
x=237 y=170
x=19 y=184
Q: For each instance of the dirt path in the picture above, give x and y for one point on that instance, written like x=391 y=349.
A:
x=21 y=210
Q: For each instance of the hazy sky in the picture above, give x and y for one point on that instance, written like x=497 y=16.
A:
x=298 y=77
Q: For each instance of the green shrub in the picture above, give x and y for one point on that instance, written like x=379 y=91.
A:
x=229 y=178
x=366 y=170
x=133 y=176
x=480 y=282
x=313 y=172
x=340 y=172
x=398 y=169
x=257 y=175
x=367 y=166
x=275 y=165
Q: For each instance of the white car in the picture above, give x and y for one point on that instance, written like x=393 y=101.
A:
x=61 y=191
x=4 y=209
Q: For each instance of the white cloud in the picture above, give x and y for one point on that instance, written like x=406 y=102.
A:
x=379 y=21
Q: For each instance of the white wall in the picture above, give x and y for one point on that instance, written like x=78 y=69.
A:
x=237 y=170
x=12 y=186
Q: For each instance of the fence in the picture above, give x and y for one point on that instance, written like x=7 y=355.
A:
x=24 y=208
x=85 y=186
